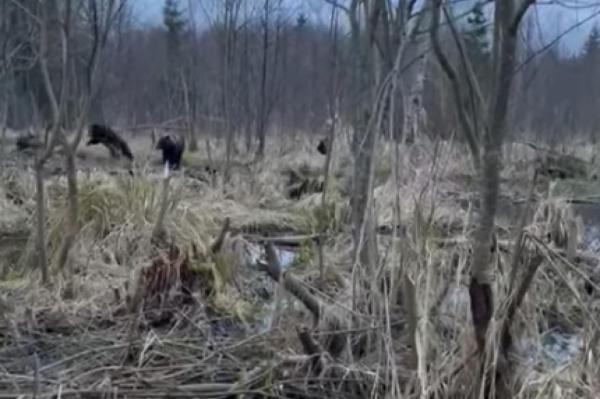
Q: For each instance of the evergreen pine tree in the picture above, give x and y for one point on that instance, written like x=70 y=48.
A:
x=591 y=47
x=174 y=22
x=476 y=38
x=301 y=20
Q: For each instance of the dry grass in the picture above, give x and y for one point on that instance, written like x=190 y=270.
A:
x=75 y=336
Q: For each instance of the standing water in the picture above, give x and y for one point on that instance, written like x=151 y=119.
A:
x=559 y=347
x=272 y=310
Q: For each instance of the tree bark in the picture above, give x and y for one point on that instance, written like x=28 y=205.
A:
x=41 y=221
x=506 y=21
x=72 y=226
x=505 y=40
x=189 y=112
x=364 y=138
x=262 y=113
x=230 y=18
x=415 y=117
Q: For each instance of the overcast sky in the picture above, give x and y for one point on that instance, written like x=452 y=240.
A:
x=553 y=16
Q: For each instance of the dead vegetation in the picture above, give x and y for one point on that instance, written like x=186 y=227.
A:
x=207 y=312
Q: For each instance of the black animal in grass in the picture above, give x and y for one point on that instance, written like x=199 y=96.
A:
x=323 y=146
x=211 y=172
x=100 y=134
x=28 y=143
x=172 y=150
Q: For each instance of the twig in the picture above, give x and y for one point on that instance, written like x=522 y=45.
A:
x=311 y=348
x=550 y=44
x=517 y=299
x=286 y=241
x=216 y=246
x=452 y=76
x=518 y=247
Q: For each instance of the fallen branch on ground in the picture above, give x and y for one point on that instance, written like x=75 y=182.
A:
x=216 y=246
x=285 y=241
x=336 y=341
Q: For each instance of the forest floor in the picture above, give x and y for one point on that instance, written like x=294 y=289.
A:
x=132 y=317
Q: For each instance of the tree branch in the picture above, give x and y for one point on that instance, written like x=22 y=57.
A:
x=550 y=44
x=410 y=7
x=335 y=4
x=467 y=65
x=520 y=13
x=467 y=126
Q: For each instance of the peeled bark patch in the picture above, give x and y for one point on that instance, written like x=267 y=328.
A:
x=482 y=305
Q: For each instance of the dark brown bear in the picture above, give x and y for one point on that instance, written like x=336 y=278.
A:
x=172 y=150
x=323 y=146
x=100 y=134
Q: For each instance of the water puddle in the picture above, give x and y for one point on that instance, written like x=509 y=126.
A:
x=590 y=214
x=558 y=348
x=272 y=310
x=286 y=257
x=555 y=349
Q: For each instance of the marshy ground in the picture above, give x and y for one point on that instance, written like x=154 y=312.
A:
x=222 y=327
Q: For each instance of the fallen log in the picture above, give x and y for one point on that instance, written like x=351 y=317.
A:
x=291 y=283
x=218 y=243
x=283 y=241
x=336 y=340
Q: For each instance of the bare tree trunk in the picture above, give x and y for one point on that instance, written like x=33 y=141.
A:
x=191 y=128
x=333 y=115
x=363 y=142
x=507 y=19
x=192 y=106
x=467 y=121
x=41 y=221
x=52 y=132
x=248 y=116
x=56 y=134
x=261 y=131
x=158 y=233
x=100 y=29
x=230 y=18
x=360 y=193
x=415 y=117
x=72 y=226
x=508 y=15
x=4 y=126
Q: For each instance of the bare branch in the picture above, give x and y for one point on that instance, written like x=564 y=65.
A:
x=56 y=107
x=518 y=245
x=467 y=65
x=218 y=243
x=44 y=69
x=550 y=44
x=27 y=11
x=336 y=4
x=410 y=7
x=520 y=13
x=467 y=126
